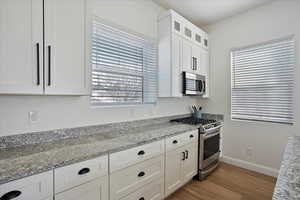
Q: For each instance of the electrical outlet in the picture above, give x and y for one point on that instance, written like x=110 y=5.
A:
x=33 y=116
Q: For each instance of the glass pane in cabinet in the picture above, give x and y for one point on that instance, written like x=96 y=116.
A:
x=177 y=26
x=188 y=32
x=198 y=38
x=206 y=42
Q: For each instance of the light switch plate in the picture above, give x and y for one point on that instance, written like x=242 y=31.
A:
x=33 y=116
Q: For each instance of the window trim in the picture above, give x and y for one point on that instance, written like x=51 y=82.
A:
x=128 y=31
x=289 y=37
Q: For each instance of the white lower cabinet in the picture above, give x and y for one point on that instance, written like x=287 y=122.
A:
x=128 y=180
x=140 y=173
x=37 y=187
x=86 y=180
x=147 y=172
x=181 y=163
x=153 y=191
x=94 y=190
x=190 y=164
x=173 y=173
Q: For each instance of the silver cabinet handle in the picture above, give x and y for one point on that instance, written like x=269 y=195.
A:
x=49 y=65
x=38 y=63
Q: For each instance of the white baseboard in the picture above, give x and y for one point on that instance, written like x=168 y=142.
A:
x=251 y=166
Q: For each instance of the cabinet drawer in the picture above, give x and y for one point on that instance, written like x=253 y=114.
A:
x=153 y=191
x=129 y=157
x=37 y=187
x=124 y=182
x=180 y=140
x=191 y=136
x=94 y=190
x=79 y=173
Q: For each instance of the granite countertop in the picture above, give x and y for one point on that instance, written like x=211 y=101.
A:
x=20 y=161
x=288 y=182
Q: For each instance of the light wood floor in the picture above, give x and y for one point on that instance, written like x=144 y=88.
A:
x=228 y=183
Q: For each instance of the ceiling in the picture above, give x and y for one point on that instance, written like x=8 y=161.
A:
x=205 y=12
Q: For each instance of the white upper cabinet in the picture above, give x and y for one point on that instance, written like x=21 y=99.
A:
x=196 y=58
x=176 y=66
x=21 y=46
x=65 y=73
x=205 y=70
x=29 y=67
x=187 y=56
x=205 y=41
x=180 y=45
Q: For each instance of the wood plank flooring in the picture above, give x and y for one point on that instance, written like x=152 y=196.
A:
x=228 y=182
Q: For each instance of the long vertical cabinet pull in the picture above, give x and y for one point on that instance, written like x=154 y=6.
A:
x=38 y=63
x=49 y=65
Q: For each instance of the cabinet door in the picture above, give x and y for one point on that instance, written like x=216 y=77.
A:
x=176 y=66
x=173 y=172
x=197 y=58
x=190 y=163
x=187 y=49
x=65 y=65
x=206 y=70
x=204 y=64
x=94 y=190
x=21 y=43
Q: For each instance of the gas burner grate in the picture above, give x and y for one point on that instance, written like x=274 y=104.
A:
x=194 y=121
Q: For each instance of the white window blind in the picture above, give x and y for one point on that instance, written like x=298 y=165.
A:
x=124 y=67
x=262 y=81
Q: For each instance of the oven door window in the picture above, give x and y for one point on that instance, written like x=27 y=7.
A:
x=211 y=146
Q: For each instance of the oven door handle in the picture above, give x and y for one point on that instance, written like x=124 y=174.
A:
x=212 y=130
x=211 y=135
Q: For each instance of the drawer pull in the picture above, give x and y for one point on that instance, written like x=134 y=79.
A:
x=141 y=174
x=183 y=158
x=186 y=154
x=140 y=153
x=175 y=142
x=142 y=198
x=11 y=195
x=191 y=136
x=84 y=171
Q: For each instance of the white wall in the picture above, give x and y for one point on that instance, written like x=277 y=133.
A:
x=267 y=140
x=61 y=112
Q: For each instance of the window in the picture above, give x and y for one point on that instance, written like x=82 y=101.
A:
x=124 y=67
x=262 y=81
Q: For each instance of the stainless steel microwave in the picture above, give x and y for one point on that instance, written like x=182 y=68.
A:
x=193 y=84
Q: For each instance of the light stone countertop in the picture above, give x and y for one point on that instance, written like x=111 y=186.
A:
x=20 y=161
x=288 y=182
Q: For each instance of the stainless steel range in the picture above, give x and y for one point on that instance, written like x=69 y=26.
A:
x=209 y=144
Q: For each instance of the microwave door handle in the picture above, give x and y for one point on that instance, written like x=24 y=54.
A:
x=200 y=86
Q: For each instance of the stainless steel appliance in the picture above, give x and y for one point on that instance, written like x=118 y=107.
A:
x=193 y=84
x=209 y=144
